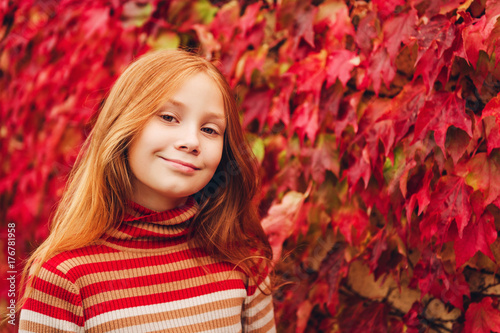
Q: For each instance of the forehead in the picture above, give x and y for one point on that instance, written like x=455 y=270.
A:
x=199 y=92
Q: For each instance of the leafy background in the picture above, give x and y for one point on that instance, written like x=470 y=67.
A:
x=377 y=126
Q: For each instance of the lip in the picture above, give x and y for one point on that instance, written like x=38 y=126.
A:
x=184 y=166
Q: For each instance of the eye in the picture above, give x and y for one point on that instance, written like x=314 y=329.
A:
x=168 y=118
x=209 y=130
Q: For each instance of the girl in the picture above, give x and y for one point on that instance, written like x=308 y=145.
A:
x=156 y=230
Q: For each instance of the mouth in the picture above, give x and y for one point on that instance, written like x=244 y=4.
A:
x=181 y=164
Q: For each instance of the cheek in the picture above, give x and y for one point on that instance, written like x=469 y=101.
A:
x=217 y=156
x=133 y=160
x=137 y=153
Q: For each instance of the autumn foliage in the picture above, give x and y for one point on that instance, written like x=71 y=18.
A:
x=377 y=126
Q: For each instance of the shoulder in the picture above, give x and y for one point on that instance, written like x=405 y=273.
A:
x=259 y=265
x=70 y=263
x=258 y=275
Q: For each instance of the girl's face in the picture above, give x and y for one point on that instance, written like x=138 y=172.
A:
x=179 y=149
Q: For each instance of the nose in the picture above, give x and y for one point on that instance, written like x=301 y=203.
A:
x=188 y=141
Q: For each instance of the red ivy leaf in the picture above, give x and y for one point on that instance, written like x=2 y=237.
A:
x=366 y=31
x=248 y=19
x=482 y=317
x=431 y=277
x=484 y=175
x=429 y=66
x=477 y=237
x=439 y=31
x=492 y=10
x=297 y=18
x=493 y=41
x=426 y=272
x=387 y=7
x=451 y=289
x=422 y=197
x=304 y=25
x=359 y=169
x=339 y=65
x=322 y=157
x=381 y=68
x=305 y=119
x=450 y=201
x=404 y=108
x=378 y=245
x=474 y=36
x=373 y=130
x=398 y=30
x=457 y=142
x=280 y=110
x=279 y=224
x=335 y=23
x=254 y=60
x=225 y=22
x=347 y=114
x=333 y=268
x=440 y=112
x=256 y=104
x=403 y=181
x=310 y=73
x=361 y=318
x=94 y=20
x=352 y=223
x=373 y=316
x=412 y=320
x=492 y=108
x=492 y=131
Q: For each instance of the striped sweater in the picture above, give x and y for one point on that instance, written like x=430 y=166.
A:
x=143 y=277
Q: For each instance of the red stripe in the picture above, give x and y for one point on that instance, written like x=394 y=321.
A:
x=146 y=245
x=251 y=290
x=137 y=231
x=80 y=252
x=182 y=294
x=57 y=291
x=53 y=311
x=84 y=268
x=152 y=280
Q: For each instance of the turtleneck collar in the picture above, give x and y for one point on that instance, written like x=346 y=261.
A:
x=143 y=229
x=138 y=213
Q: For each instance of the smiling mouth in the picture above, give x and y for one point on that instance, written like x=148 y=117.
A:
x=182 y=165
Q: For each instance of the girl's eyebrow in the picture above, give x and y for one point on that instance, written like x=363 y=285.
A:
x=175 y=103
x=209 y=114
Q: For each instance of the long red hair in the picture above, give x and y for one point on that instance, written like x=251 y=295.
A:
x=226 y=226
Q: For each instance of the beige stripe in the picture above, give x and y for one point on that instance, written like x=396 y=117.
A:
x=161 y=316
x=263 y=288
x=59 y=281
x=139 y=251
x=258 y=298
x=261 y=314
x=173 y=221
x=266 y=328
x=146 y=226
x=57 y=302
x=145 y=272
x=117 y=294
x=68 y=264
x=35 y=327
x=181 y=218
x=215 y=324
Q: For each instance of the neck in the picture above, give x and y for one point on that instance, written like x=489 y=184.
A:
x=159 y=204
